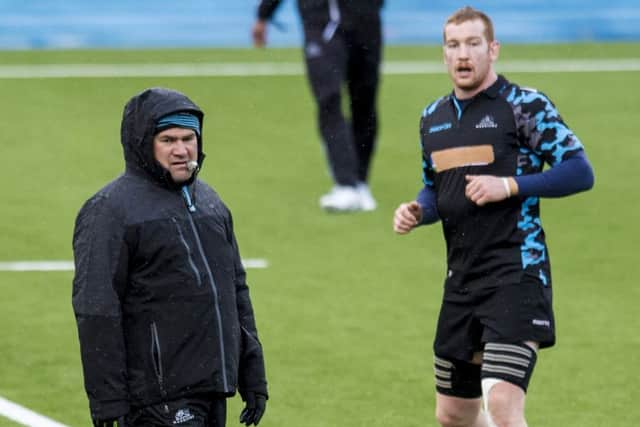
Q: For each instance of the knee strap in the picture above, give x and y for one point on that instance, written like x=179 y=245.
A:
x=457 y=378
x=512 y=363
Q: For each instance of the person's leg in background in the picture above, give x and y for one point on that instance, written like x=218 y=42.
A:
x=363 y=76
x=326 y=70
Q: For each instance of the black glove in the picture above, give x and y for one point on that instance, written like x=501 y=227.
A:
x=253 y=411
x=113 y=422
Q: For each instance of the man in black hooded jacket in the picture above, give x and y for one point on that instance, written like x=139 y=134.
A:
x=343 y=44
x=165 y=322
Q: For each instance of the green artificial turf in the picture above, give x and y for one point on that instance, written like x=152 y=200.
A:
x=347 y=309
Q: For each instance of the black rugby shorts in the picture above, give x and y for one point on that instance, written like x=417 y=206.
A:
x=509 y=313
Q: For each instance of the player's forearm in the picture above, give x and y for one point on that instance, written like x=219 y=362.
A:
x=428 y=203
x=569 y=177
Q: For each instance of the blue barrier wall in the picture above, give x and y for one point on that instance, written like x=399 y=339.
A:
x=27 y=24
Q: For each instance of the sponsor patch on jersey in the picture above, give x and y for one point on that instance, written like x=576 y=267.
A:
x=440 y=127
x=487 y=122
x=477 y=155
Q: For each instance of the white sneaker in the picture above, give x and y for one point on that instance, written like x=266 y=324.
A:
x=341 y=198
x=367 y=202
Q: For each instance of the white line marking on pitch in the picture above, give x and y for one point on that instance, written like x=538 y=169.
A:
x=68 y=265
x=24 y=416
x=37 y=266
x=231 y=69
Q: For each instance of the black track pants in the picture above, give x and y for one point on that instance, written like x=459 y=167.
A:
x=349 y=60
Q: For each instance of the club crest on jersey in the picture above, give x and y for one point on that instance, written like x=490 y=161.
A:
x=440 y=127
x=486 y=123
x=182 y=416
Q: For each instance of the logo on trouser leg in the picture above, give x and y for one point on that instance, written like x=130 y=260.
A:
x=313 y=50
x=182 y=416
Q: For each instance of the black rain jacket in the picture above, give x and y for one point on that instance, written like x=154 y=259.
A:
x=159 y=292
x=318 y=12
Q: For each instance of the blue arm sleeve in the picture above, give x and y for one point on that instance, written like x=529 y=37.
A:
x=567 y=177
x=427 y=201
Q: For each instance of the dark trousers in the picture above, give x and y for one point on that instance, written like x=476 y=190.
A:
x=201 y=411
x=349 y=60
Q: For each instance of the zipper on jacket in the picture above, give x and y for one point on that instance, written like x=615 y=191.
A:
x=156 y=358
x=216 y=300
x=195 y=270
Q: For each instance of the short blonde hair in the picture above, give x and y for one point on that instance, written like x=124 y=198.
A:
x=468 y=13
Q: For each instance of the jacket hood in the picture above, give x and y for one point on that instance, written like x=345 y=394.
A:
x=138 y=129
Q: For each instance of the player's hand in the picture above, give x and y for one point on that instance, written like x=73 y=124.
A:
x=406 y=217
x=483 y=189
x=259 y=33
x=256 y=403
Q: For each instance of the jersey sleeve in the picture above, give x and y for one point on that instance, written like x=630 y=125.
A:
x=427 y=198
x=428 y=171
x=541 y=128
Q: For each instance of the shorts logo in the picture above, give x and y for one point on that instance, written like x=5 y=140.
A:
x=182 y=416
x=313 y=50
x=486 y=122
x=440 y=127
x=539 y=322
